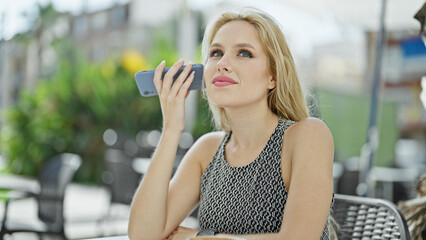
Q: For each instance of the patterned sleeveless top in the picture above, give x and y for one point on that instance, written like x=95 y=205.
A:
x=248 y=199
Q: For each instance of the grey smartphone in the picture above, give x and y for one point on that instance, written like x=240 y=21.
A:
x=144 y=80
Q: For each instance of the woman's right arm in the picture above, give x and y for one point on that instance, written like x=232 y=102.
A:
x=148 y=210
x=148 y=215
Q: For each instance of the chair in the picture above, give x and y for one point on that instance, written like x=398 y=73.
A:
x=121 y=181
x=120 y=177
x=55 y=175
x=368 y=218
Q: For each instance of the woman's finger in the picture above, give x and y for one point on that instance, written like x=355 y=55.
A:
x=178 y=83
x=158 y=83
x=183 y=91
x=168 y=77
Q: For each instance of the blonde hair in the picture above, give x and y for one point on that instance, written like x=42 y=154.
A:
x=287 y=98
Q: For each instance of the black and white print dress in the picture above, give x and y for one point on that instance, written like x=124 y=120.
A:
x=248 y=199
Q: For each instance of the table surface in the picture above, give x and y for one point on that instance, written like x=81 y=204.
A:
x=125 y=237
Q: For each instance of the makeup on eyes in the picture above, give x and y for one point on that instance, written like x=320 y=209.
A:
x=249 y=54
x=215 y=53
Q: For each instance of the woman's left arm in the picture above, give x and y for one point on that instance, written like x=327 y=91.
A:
x=310 y=190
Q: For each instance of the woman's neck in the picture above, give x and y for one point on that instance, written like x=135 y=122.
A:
x=251 y=127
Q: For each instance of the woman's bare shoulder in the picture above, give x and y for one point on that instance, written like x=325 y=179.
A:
x=205 y=147
x=313 y=134
x=207 y=144
x=213 y=136
x=309 y=127
x=210 y=140
x=308 y=133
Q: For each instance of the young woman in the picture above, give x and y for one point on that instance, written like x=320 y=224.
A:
x=268 y=173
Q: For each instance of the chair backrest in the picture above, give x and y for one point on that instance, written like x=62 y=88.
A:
x=368 y=218
x=121 y=178
x=55 y=175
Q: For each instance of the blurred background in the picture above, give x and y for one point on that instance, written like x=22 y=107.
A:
x=67 y=86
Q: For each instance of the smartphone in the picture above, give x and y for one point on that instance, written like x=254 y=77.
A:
x=145 y=83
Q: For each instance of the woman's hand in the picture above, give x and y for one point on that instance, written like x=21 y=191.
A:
x=172 y=95
x=182 y=233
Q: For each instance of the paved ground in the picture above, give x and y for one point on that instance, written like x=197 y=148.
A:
x=88 y=212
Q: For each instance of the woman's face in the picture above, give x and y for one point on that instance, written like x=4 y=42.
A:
x=237 y=71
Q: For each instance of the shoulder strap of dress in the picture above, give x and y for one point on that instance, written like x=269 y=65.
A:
x=285 y=123
x=222 y=145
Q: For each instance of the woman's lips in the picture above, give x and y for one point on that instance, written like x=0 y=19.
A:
x=223 y=81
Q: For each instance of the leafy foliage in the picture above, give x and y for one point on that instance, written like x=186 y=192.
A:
x=70 y=111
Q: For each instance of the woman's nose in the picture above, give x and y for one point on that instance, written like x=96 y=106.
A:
x=223 y=64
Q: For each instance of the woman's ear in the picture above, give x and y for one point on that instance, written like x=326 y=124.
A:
x=272 y=83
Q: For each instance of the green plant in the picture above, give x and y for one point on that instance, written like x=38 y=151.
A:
x=70 y=111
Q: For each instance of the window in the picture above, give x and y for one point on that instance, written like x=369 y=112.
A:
x=80 y=26
x=119 y=15
x=99 y=21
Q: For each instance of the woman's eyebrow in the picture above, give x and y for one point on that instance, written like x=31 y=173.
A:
x=245 y=45
x=239 y=45
x=215 y=45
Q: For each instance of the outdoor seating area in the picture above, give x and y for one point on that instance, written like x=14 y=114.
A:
x=52 y=206
x=55 y=176
x=68 y=210
x=84 y=210
x=362 y=218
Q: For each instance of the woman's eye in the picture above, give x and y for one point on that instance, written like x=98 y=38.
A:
x=245 y=53
x=215 y=53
